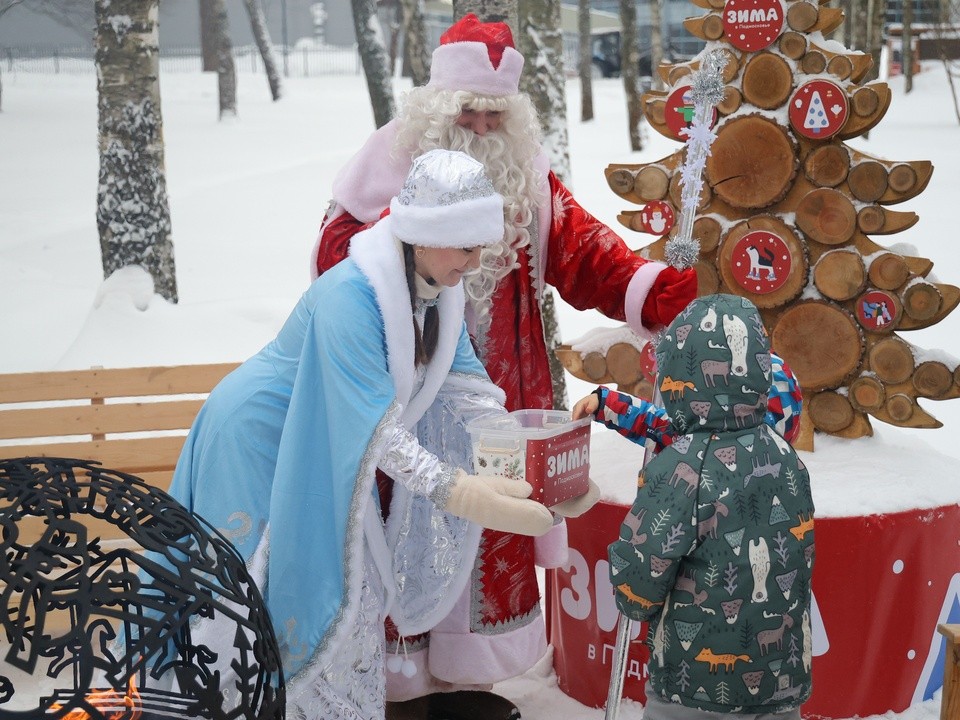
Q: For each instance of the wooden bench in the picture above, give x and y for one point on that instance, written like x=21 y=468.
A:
x=133 y=420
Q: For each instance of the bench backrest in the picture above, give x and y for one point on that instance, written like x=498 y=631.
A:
x=133 y=420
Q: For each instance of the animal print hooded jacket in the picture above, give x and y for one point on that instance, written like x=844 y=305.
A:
x=717 y=551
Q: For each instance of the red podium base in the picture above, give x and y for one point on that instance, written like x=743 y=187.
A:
x=881 y=584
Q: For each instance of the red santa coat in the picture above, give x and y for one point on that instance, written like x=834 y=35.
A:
x=496 y=631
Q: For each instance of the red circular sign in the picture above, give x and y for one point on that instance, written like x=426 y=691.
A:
x=876 y=310
x=752 y=25
x=678 y=112
x=761 y=262
x=657 y=217
x=818 y=109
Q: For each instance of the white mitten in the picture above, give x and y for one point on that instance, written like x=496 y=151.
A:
x=575 y=507
x=498 y=503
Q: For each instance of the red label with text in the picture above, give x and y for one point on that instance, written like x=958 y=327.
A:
x=752 y=25
x=558 y=467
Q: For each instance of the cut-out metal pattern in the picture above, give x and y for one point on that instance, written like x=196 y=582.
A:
x=105 y=624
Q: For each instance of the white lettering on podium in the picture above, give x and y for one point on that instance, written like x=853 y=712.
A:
x=575 y=600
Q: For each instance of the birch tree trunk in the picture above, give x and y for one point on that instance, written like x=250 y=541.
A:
x=133 y=215
x=415 y=42
x=942 y=34
x=656 y=43
x=5 y=5
x=208 y=40
x=258 y=24
x=906 y=53
x=226 y=70
x=875 y=19
x=543 y=79
x=629 y=70
x=842 y=33
x=586 y=61
x=373 y=55
x=490 y=11
x=858 y=31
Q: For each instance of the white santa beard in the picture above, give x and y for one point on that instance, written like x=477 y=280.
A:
x=498 y=156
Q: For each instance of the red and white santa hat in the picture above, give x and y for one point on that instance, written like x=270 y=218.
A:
x=477 y=57
x=447 y=201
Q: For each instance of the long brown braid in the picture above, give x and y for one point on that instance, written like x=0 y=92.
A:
x=425 y=344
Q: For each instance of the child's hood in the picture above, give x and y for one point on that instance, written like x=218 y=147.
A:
x=713 y=365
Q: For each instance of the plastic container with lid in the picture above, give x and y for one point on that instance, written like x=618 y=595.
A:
x=544 y=447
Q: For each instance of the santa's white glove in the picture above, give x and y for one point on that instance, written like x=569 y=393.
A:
x=575 y=507
x=498 y=503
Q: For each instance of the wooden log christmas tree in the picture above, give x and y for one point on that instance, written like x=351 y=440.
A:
x=786 y=216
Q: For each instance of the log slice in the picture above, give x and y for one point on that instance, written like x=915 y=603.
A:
x=888 y=271
x=827 y=216
x=623 y=362
x=840 y=66
x=620 y=181
x=922 y=300
x=867 y=394
x=932 y=379
x=813 y=63
x=868 y=181
x=892 y=360
x=793 y=45
x=712 y=27
x=830 y=411
x=651 y=183
x=900 y=407
x=677 y=73
x=902 y=178
x=594 y=366
x=752 y=162
x=827 y=165
x=871 y=219
x=820 y=341
x=656 y=112
x=801 y=16
x=707 y=231
x=732 y=98
x=865 y=102
x=767 y=81
x=840 y=274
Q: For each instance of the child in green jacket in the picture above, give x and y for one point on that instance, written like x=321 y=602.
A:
x=717 y=551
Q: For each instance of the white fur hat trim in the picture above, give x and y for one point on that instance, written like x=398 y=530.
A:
x=447 y=200
x=467 y=66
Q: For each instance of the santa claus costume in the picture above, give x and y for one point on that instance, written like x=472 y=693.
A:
x=496 y=630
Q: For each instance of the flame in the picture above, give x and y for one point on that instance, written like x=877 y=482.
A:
x=102 y=699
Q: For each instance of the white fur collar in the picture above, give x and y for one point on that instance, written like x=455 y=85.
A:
x=380 y=260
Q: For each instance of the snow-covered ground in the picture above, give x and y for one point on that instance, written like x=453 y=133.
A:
x=246 y=199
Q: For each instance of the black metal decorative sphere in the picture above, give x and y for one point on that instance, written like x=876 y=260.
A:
x=105 y=627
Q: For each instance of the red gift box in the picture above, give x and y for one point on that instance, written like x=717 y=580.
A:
x=544 y=447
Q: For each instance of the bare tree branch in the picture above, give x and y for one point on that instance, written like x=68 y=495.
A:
x=8 y=5
x=76 y=15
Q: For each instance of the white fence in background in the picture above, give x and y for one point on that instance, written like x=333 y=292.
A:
x=310 y=61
